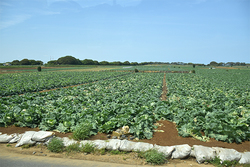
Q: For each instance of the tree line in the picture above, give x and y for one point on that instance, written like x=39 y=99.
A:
x=26 y=62
x=70 y=60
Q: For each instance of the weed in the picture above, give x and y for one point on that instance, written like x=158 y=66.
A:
x=88 y=148
x=39 y=146
x=8 y=145
x=153 y=156
x=246 y=165
x=56 y=145
x=114 y=152
x=26 y=146
x=217 y=162
x=73 y=148
x=82 y=131
x=102 y=151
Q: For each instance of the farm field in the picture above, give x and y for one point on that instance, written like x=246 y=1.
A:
x=154 y=68
x=207 y=106
x=28 y=68
x=19 y=83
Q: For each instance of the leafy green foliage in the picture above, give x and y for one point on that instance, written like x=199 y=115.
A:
x=19 y=83
x=216 y=103
x=88 y=148
x=117 y=152
x=106 y=105
x=69 y=60
x=56 y=145
x=154 y=157
x=39 y=68
x=75 y=147
x=218 y=163
x=82 y=131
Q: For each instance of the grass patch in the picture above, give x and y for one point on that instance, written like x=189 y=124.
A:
x=153 y=157
x=56 y=145
x=26 y=146
x=217 y=162
x=82 y=131
x=73 y=148
x=88 y=148
x=117 y=152
x=102 y=151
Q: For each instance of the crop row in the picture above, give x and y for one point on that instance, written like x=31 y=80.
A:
x=153 y=68
x=19 y=83
x=108 y=104
x=211 y=103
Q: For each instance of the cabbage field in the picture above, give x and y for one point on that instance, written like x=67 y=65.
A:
x=207 y=104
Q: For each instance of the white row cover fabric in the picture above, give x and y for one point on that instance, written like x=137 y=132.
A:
x=67 y=141
x=166 y=150
x=42 y=136
x=6 y=138
x=100 y=144
x=201 y=153
x=26 y=139
x=226 y=154
x=140 y=146
x=181 y=151
x=113 y=144
x=16 y=138
x=245 y=158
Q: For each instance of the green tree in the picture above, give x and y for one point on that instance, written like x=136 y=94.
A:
x=134 y=63
x=116 y=63
x=69 y=60
x=126 y=63
x=25 y=62
x=15 y=62
x=213 y=63
x=104 y=63
x=39 y=62
x=221 y=64
x=96 y=62
x=32 y=62
x=52 y=62
x=88 y=62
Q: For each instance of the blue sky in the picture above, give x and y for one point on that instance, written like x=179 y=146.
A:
x=197 y=31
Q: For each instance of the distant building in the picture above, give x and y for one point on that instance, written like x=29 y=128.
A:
x=6 y=64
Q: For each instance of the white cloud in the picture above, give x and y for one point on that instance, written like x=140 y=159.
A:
x=13 y=21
